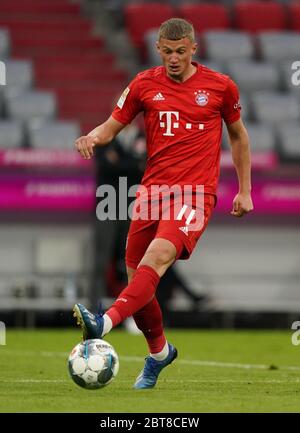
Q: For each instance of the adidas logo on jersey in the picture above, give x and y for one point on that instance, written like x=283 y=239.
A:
x=184 y=229
x=158 y=97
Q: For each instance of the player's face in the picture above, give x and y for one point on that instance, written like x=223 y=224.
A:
x=176 y=56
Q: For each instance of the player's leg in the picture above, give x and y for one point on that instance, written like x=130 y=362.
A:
x=149 y=318
x=140 y=291
x=161 y=353
x=170 y=243
x=138 y=299
x=140 y=234
x=150 y=321
x=159 y=256
x=184 y=243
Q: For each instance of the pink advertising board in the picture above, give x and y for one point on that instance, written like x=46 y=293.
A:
x=60 y=194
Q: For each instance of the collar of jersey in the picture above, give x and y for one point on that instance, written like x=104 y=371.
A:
x=191 y=78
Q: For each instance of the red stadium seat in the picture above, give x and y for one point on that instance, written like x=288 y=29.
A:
x=255 y=16
x=205 y=16
x=81 y=71
x=142 y=17
x=57 y=40
x=35 y=23
x=294 y=16
x=37 y=6
x=67 y=58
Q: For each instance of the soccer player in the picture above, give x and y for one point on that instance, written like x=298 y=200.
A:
x=183 y=104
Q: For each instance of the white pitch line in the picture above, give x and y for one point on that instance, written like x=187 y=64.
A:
x=203 y=363
x=218 y=364
x=33 y=381
x=200 y=381
x=225 y=364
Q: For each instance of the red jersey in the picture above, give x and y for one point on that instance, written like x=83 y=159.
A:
x=183 y=123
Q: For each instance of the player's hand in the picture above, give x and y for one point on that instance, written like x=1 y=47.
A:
x=242 y=204
x=85 y=146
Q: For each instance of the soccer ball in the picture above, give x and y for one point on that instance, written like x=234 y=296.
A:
x=93 y=364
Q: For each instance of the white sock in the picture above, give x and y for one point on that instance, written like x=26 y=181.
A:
x=160 y=356
x=107 y=326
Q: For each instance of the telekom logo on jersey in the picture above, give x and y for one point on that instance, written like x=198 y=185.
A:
x=170 y=121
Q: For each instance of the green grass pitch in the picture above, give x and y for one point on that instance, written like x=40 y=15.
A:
x=216 y=371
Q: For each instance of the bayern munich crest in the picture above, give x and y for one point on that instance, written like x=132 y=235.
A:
x=201 y=97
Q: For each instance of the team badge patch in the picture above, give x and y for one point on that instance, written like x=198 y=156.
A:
x=123 y=97
x=201 y=97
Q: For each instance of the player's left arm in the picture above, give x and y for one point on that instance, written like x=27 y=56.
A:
x=240 y=149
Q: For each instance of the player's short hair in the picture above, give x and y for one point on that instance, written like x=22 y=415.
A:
x=175 y=29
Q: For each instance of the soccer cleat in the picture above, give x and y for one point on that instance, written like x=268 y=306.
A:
x=149 y=375
x=91 y=324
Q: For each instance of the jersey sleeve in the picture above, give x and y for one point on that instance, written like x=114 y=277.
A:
x=231 y=107
x=129 y=103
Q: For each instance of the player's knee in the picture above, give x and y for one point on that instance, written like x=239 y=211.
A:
x=160 y=257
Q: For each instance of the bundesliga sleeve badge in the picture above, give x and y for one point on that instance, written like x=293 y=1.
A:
x=123 y=97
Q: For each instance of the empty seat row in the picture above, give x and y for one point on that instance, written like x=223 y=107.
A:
x=262 y=137
x=270 y=107
x=54 y=135
x=279 y=46
x=274 y=108
x=19 y=78
x=288 y=141
x=39 y=7
x=45 y=135
x=250 y=16
x=274 y=47
x=263 y=106
x=283 y=139
x=31 y=106
x=29 y=114
x=253 y=76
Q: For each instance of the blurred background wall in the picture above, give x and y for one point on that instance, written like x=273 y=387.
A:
x=66 y=62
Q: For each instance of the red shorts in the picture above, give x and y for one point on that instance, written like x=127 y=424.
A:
x=181 y=228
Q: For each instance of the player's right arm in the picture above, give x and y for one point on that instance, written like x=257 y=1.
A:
x=101 y=135
x=128 y=106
